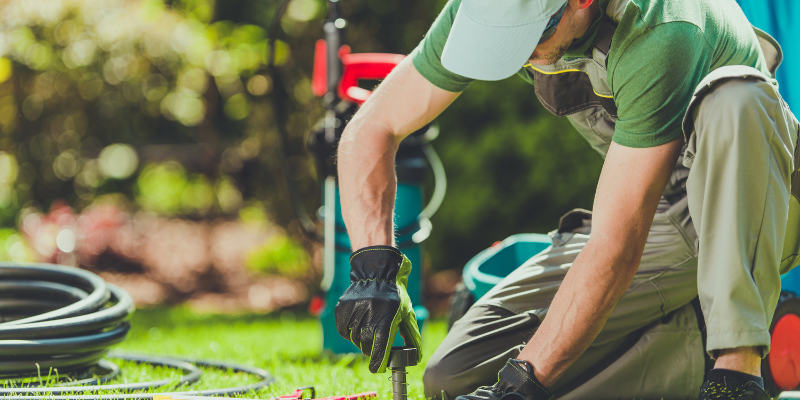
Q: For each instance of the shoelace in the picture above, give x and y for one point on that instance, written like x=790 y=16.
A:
x=718 y=391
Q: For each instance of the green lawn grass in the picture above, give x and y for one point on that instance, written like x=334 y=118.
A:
x=287 y=345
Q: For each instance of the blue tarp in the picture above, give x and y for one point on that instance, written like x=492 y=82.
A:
x=781 y=19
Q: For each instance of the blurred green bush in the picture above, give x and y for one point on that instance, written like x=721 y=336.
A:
x=164 y=102
x=168 y=189
x=281 y=256
x=91 y=90
x=13 y=247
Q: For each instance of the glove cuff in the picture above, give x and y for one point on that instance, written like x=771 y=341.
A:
x=517 y=376
x=375 y=262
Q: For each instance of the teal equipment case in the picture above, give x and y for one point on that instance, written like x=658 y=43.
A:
x=490 y=266
x=408 y=205
x=411 y=219
x=335 y=80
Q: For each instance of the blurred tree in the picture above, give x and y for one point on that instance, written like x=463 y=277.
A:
x=512 y=168
x=145 y=97
x=89 y=89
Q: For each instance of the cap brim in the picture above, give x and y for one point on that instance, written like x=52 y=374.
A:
x=489 y=53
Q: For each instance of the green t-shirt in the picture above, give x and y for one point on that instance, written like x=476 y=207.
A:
x=660 y=52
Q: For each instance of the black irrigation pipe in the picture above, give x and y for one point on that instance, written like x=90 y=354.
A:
x=60 y=317
x=191 y=375
x=189 y=367
x=65 y=319
x=110 y=371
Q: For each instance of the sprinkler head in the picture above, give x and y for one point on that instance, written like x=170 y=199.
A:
x=399 y=359
x=403 y=357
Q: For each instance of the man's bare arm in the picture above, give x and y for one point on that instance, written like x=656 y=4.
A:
x=627 y=195
x=403 y=103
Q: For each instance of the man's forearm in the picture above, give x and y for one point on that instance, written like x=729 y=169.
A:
x=627 y=195
x=588 y=294
x=367 y=184
x=403 y=103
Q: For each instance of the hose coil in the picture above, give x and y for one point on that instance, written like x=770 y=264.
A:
x=65 y=318
x=57 y=317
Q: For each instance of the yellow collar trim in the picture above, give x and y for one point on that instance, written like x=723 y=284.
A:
x=561 y=72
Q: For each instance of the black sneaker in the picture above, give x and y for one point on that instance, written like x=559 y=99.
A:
x=514 y=382
x=732 y=389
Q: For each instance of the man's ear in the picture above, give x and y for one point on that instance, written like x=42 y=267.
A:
x=580 y=4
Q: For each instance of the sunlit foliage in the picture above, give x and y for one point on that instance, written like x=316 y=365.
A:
x=132 y=96
x=87 y=85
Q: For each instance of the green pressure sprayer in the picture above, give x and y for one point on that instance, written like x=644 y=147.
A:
x=336 y=78
x=337 y=73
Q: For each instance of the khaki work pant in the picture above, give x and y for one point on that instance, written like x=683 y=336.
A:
x=740 y=153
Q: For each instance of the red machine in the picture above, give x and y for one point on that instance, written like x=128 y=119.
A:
x=781 y=368
x=355 y=67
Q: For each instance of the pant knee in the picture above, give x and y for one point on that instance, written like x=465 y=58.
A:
x=734 y=119
x=474 y=350
x=734 y=107
x=437 y=380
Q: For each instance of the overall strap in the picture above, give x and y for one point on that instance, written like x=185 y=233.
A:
x=567 y=91
x=604 y=35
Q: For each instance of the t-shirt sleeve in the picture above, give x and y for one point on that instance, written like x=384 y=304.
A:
x=653 y=82
x=427 y=57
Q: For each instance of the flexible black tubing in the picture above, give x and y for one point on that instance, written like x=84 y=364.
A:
x=266 y=379
x=65 y=319
x=73 y=325
x=78 y=344
x=109 y=372
x=18 y=308
x=41 y=290
x=63 y=363
x=57 y=392
x=79 y=278
x=191 y=375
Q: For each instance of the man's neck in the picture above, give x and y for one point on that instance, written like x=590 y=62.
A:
x=592 y=14
x=589 y=25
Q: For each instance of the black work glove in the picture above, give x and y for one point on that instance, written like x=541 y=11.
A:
x=514 y=382
x=376 y=305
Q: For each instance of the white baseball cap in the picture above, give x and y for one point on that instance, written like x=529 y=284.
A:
x=492 y=39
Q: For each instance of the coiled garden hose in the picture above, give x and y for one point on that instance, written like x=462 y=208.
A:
x=66 y=310
x=191 y=375
x=63 y=318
